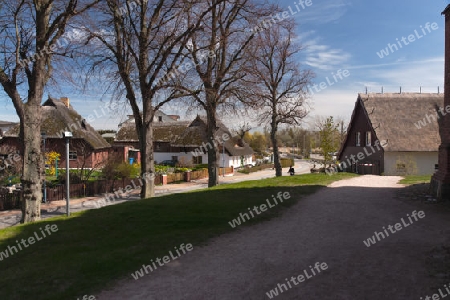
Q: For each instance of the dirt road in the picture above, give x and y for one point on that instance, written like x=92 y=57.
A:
x=328 y=227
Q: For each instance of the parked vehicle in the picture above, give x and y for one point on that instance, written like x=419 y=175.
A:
x=170 y=163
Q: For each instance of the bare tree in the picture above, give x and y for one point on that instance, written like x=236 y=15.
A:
x=278 y=86
x=242 y=130
x=218 y=56
x=139 y=47
x=88 y=161
x=30 y=32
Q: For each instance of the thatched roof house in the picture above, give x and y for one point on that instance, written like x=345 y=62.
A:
x=394 y=133
x=177 y=139
x=59 y=116
x=87 y=146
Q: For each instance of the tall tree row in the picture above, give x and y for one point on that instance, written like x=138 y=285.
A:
x=151 y=52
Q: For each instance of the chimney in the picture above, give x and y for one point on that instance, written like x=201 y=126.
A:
x=66 y=101
x=440 y=182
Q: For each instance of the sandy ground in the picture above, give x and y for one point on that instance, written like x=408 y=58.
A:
x=327 y=227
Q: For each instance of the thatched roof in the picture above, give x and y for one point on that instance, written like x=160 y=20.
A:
x=57 y=118
x=446 y=10
x=162 y=132
x=394 y=118
x=195 y=136
x=184 y=134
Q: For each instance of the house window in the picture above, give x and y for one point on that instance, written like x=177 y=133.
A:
x=196 y=160
x=73 y=155
x=368 y=138
x=160 y=118
x=358 y=138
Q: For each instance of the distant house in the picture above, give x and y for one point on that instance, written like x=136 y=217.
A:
x=233 y=152
x=5 y=126
x=393 y=134
x=126 y=141
x=88 y=148
x=186 y=142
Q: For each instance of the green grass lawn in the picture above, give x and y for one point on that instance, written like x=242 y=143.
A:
x=93 y=249
x=415 y=179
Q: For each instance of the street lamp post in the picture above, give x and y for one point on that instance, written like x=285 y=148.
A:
x=56 y=167
x=67 y=136
x=44 y=136
x=223 y=157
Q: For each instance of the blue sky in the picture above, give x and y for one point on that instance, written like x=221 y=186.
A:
x=337 y=35
x=348 y=34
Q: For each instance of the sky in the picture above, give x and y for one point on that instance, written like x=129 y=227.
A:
x=350 y=45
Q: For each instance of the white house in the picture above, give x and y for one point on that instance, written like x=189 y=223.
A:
x=185 y=141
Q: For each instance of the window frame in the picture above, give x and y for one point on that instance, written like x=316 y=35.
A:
x=71 y=155
x=368 y=138
x=197 y=160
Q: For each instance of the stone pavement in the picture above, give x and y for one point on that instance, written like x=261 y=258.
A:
x=58 y=208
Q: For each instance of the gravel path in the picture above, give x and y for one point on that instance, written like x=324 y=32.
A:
x=327 y=227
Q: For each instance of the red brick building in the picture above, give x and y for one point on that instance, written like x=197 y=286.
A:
x=88 y=149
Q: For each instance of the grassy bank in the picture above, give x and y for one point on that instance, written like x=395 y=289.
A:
x=92 y=249
x=415 y=179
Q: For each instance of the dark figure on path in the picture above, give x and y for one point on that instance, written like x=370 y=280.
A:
x=291 y=170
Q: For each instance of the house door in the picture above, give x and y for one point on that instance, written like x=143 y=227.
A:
x=372 y=168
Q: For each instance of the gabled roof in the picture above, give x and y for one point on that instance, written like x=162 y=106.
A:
x=400 y=121
x=185 y=134
x=7 y=123
x=57 y=118
x=446 y=10
x=162 y=132
x=157 y=118
x=195 y=136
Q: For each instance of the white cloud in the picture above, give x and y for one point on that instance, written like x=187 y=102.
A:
x=337 y=103
x=325 y=12
x=428 y=73
x=323 y=57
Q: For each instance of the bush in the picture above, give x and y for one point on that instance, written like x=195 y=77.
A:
x=163 y=169
x=200 y=167
x=115 y=169
x=286 y=162
x=74 y=178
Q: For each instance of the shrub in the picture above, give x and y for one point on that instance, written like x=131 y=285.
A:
x=74 y=178
x=180 y=170
x=286 y=162
x=199 y=167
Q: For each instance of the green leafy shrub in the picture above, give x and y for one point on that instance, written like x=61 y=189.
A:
x=200 y=167
x=286 y=162
x=74 y=178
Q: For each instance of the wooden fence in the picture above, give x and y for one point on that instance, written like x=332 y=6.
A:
x=199 y=174
x=9 y=200
x=95 y=188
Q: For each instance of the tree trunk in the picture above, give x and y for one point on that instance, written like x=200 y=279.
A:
x=276 y=153
x=213 y=150
x=147 y=161
x=33 y=163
